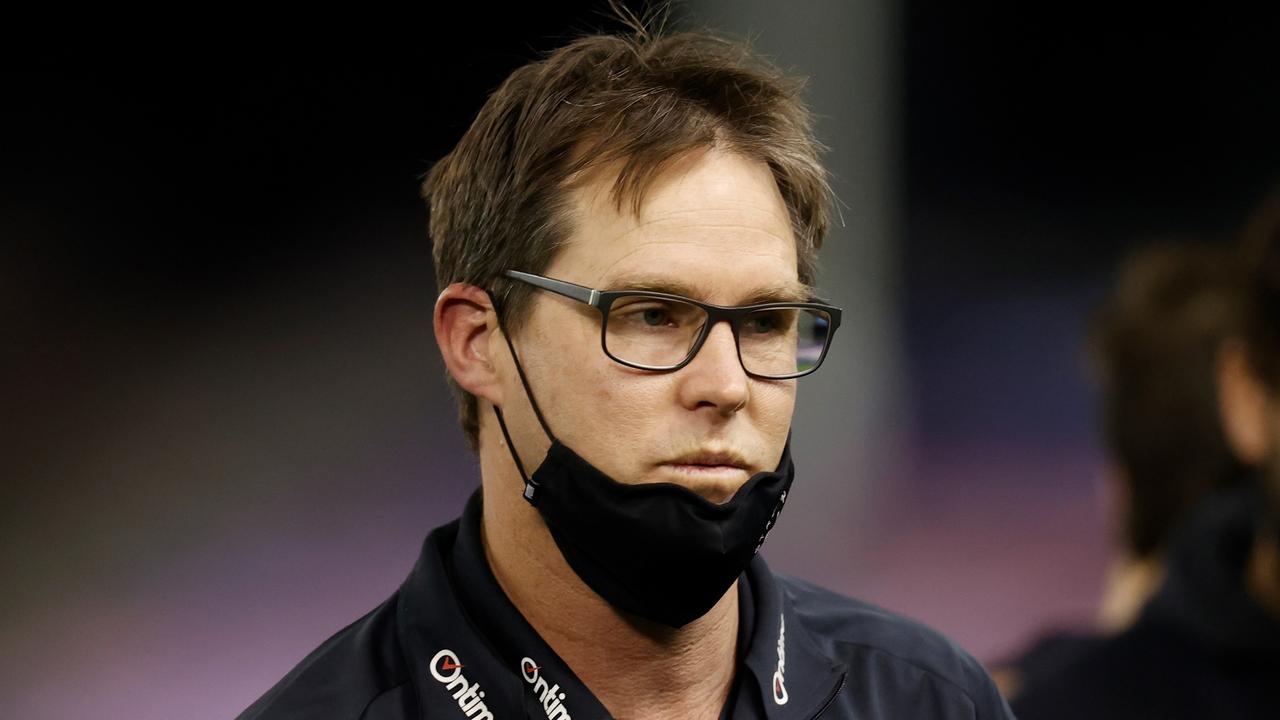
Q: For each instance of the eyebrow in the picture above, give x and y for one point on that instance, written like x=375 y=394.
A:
x=795 y=291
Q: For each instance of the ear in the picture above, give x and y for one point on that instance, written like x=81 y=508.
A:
x=1245 y=406
x=464 y=321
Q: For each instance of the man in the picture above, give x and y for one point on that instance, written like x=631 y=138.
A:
x=1207 y=645
x=1155 y=347
x=624 y=241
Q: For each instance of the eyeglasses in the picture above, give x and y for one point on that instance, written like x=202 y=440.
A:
x=657 y=331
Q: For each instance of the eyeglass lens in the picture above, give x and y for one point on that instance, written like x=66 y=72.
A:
x=659 y=333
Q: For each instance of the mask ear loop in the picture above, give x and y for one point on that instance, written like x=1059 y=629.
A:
x=530 y=486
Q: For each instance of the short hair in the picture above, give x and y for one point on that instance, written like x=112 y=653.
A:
x=498 y=201
x=1155 y=344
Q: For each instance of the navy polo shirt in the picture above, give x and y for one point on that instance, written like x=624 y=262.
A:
x=449 y=644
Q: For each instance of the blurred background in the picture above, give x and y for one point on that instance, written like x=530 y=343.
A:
x=223 y=424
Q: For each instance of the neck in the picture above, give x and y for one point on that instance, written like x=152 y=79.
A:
x=619 y=657
x=1131 y=582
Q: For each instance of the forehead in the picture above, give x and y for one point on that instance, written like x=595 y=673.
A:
x=712 y=226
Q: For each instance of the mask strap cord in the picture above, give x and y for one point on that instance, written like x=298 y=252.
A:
x=530 y=487
x=533 y=403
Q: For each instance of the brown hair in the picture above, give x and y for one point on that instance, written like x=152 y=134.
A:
x=1260 y=275
x=1156 y=345
x=498 y=200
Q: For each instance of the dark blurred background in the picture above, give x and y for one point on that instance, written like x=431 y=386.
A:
x=225 y=430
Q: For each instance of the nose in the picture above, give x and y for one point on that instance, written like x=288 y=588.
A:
x=715 y=378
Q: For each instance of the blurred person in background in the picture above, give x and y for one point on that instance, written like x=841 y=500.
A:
x=1206 y=643
x=624 y=241
x=1154 y=349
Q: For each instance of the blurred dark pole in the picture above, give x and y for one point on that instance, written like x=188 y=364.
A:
x=848 y=424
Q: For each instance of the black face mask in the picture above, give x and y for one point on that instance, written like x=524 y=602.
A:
x=656 y=550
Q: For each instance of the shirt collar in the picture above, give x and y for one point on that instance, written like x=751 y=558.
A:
x=446 y=655
x=456 y=622
x=547 y=681
x=790 y=674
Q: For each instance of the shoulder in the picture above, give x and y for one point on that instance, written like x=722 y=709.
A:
x=358 y=674
x=1145 y=671
x=893 y=658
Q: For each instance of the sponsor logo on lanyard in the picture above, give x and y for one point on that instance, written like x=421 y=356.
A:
x=446 y=668
x=550 y=696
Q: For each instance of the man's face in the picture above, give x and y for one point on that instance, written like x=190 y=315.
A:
x=713 y=228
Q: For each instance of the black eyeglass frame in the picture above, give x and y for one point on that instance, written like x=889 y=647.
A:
x=603 y=300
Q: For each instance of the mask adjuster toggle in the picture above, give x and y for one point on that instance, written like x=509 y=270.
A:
x=530 y=487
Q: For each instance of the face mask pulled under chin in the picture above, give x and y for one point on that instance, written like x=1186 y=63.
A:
x=655 y=550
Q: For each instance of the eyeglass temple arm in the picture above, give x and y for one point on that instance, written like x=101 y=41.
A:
x=576 y=292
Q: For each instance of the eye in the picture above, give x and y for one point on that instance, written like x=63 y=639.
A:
x=655 y=316
x=764 y=322
x=651 y=313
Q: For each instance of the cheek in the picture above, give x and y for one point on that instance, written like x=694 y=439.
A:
x=774 y=404
x=631 y=401
x=592 y=395
x=773 y=420
x=627 y=404
x=614 y=418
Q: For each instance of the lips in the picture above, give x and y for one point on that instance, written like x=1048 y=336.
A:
x=710 y=460
x=714 y=474
x=704 y=468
